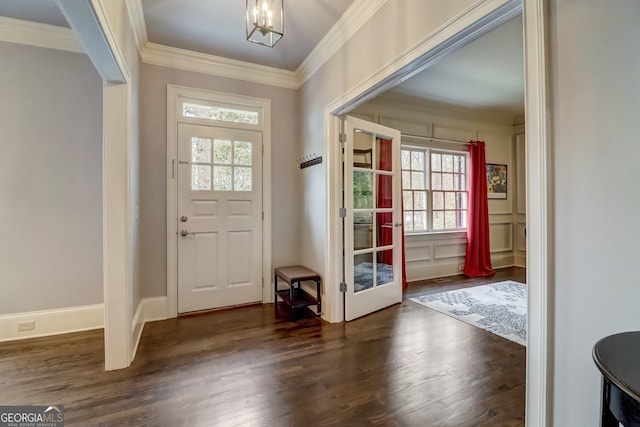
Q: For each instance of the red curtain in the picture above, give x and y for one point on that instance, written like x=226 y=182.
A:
x=385 y=200
x=477 y=262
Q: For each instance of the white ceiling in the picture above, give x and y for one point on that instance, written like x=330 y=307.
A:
x=218 y=28
x=487 y=74
x=42 y=11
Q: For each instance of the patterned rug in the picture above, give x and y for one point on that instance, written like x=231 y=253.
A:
x=500 y=308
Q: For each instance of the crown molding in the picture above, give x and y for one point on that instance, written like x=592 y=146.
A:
x=138 y=25
x=436 y=107
x=349 y=23
x=40 y=35
x=218 y=66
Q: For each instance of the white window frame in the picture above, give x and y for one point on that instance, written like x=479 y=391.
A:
x=427 y=150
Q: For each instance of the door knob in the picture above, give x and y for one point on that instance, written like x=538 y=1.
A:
x=398 y=224
x=184 y=233
x=183 y=218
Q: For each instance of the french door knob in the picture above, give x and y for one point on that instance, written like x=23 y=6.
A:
x=184 y=233
x=183 y=218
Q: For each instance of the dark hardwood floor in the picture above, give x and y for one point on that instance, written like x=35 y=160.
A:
x=403 y=366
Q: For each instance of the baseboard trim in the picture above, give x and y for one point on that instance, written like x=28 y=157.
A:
x=520 y=261
x=419 y=271
x=149 y=310
x=52 y=322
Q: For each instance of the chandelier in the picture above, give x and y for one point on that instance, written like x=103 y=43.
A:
x=265 y=21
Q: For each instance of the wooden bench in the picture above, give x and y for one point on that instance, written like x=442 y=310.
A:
x=294 y=296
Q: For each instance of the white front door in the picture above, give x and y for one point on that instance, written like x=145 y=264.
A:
x=219 y=217
x=373 y=222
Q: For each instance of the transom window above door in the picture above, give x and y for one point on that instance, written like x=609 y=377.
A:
x=220 y=112
x=220 y=165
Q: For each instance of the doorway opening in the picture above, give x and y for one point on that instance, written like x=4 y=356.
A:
x=537 y=147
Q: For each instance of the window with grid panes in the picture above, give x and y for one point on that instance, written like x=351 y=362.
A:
x=434 y=190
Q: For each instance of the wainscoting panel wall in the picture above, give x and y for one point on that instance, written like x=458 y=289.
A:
x=432 y=255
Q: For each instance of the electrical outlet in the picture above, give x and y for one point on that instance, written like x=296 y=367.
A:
x=27 y=326
x=460 y=268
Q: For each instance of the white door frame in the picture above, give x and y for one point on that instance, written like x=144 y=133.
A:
x=174 y=95
x=454 y=34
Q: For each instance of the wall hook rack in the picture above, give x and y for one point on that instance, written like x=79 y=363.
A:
x=309 y=160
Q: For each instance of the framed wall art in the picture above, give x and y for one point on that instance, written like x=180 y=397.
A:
x=496 y=181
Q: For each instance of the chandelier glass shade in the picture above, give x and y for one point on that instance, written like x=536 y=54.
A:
x=265 y=21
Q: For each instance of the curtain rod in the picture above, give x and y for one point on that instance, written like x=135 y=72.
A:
x=429 y=138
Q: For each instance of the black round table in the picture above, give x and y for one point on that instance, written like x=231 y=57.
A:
x=618 y=359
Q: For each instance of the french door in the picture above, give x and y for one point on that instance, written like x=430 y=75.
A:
x=373 y=217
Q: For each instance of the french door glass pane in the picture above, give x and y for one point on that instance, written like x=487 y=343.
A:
x=384 y=226
x=362 y=230
x=384 y=155
x=362 y=190
x=362 y=272
x=384 y=194
x=362 y=149
x=384 y=267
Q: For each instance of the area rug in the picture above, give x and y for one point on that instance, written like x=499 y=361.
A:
x=500 y=308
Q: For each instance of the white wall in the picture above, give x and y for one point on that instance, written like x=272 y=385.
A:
x=595 y=93
x=441 y=254
x=374 y=46
x=286 y=176
x=50 y=180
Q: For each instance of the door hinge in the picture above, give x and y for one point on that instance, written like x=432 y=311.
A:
x=343 y=138
x=173 y=168
x=342 y=212
x=263 y=283
x=343 y=287
x=263 y=215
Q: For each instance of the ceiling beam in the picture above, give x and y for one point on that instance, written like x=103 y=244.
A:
x=84 y=22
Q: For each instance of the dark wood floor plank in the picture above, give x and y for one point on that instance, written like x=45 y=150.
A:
x=403 y=366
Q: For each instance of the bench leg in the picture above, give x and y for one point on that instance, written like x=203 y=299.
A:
x=318 y=297
x=275 y=294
